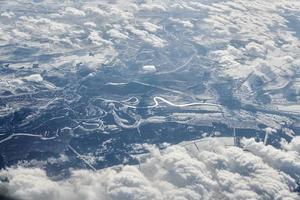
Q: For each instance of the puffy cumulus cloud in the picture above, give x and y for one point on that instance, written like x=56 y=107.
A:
x=95 y=10
x=4 y=37
x=208 y=171
x=148 y=69
x=255 y=49
x=92 y=62
x=258 y=32
x=285 y=161
x=7 y=14
x=73 y=12
x=147 y=37
x=90 y=24
x=184 y=23
x=153 y=7
x=151 y=27
x=294 y=145
x=96 y=39
x=114 y=33
x=64 y=26
x=34 y=78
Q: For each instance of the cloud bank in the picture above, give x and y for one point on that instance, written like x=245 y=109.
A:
x=211 y=171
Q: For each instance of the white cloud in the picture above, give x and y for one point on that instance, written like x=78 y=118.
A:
x=114 y=33
x=294 y=145
x=4 y=37
x=7 y=14
x=95 y=38
x=95 y=10
x=184 y=23
x=90 y=24
x=259 y=31
x=34 y=78
x=285 y=161
x=74 y=12
x=151 y=27
x=92 y=62
x=149 y=69
x=147 y=37
x=212 y=172
x=153 y=7
x=254 y=49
